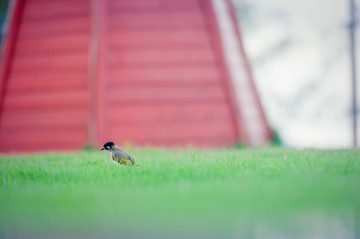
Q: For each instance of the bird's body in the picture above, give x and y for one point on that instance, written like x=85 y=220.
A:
x=118 y=155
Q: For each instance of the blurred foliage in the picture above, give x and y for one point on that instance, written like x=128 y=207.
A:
x=3 y=7
x=276 y=139
x=3 y=11
x=89 y=147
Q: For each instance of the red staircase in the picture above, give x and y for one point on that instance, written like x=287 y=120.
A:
x=143 y=71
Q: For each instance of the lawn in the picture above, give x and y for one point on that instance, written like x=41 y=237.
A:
x=225 y=193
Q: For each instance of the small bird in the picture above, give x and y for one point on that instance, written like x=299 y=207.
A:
x=118 y=155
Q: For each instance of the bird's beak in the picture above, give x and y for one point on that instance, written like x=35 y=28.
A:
x=103 y=148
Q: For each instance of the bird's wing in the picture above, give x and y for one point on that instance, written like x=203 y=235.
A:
x=122 y=157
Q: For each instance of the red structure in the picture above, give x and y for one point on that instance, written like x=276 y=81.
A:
x=159 y=72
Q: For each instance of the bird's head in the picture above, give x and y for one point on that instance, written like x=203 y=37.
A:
x=108 y=146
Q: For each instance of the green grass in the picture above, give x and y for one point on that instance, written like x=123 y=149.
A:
x=177 y=193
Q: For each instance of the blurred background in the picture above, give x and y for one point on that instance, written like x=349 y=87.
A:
x=300 y=56
x=299 y=53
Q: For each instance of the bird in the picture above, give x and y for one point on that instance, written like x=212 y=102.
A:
x=118 y=155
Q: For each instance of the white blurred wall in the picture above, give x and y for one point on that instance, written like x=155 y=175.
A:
x=300 y=58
